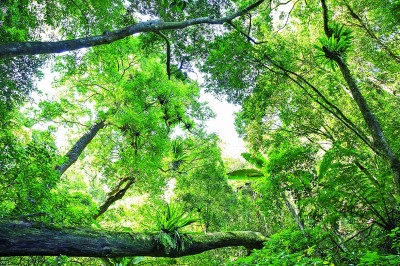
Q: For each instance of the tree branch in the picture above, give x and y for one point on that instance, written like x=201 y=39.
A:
x=372 y=35
x=117 y=195
x=168 y=63
x=30 y=239
x=33 y=48
x=248 y=37
x=328 y=106
x=327 y=30
x=73 y=154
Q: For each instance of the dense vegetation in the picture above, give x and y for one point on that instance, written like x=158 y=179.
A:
x=113 y=164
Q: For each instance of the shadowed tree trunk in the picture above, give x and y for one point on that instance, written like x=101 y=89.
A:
x=26 y=239
x=373 y=125
x=72 y=156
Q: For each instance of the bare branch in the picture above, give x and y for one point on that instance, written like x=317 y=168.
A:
x=248 y=37
x=287 y=18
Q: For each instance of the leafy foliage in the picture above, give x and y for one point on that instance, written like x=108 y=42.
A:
x=288 y=247
x=27 y=172
x=324 y=193
x=173 y=218
x=338 y=43
x=169 y=222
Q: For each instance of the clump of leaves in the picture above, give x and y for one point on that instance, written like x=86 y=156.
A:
x=289 y=247
x=179 y=154
x=169 y=222
x=375 y=257
x=255 y=159
x=395 y=236
x=337 y=44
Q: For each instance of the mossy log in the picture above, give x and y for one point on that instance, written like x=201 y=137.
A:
x=33 y=239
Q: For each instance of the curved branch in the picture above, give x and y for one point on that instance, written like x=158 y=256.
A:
x=168 y=53
x=33 y=48
x=288 y=16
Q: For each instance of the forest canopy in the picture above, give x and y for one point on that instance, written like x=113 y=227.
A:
x=113 y=163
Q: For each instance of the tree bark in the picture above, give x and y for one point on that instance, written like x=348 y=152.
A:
x=373 y=125
x=117 y=195
x=33 y=48
x=73 y=154
x=28 y=239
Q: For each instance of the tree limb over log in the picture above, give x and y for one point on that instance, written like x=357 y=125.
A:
x=33 y=48
x=29 y=239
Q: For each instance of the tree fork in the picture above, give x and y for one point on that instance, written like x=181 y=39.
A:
x=35 y=239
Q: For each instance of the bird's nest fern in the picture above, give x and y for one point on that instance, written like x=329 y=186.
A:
x=169 y=223
x=337 y=44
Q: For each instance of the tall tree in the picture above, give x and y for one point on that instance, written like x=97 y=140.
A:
x=321 y=92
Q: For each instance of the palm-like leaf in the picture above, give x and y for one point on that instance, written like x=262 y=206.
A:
x=169 y=222
x=173 y=218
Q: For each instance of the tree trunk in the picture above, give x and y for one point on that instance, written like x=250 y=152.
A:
x=380 y=141
x=117 y=195
x=373 y=125
x=30 y=239
x=293 y=211
x=79 y=146
x=32 y=48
